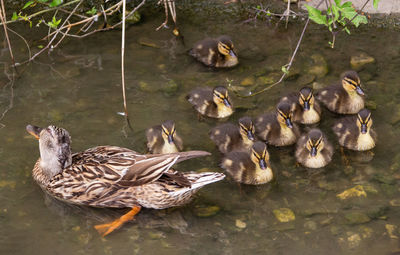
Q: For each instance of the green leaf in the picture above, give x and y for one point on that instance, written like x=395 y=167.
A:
x=315 y=15
x=55 y=3
x=42 y=1
x=27 y=4
x=376 y=3
x=347 y=4
x=40 y=46
x=92 y=11
x=14 y=16
x=347 y=30
x=54 y=22
x=360 y=19
x=337 y=2
x=284 y=70
x=335 y=12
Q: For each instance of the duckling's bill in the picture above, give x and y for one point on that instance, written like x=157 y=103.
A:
x=34 y=131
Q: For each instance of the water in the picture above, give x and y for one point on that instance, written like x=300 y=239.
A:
x=78 y=87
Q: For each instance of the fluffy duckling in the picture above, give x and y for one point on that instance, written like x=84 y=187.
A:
x=250 y=167
x=217 y=52
x=229 y=137
x=355 y=132
x=163 y=138
x=214 y=103
x=306 y=110
x=344 y=98
x=313 y=149
x=277 y=128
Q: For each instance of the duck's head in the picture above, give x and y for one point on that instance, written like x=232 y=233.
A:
x=306 y=98
x=351 y=82
x=259 y=155
x=221 y=97
x=246 y=128
x=54 y=146
x=315 y=142
x=284 y=114
x=168 y=131
x=364 y=121
x=225 y=46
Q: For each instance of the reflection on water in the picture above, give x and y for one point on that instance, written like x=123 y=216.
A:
x=78 y=88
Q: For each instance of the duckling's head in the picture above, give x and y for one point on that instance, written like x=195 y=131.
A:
x=221 y=97
x=364 y=121
x=315 y=142
x=284 y=114
x=351 y=82
x=168 y=131
x=259 y=155
x=54 y=146
x=306 y=98
x=225 y=46
x=246 y=128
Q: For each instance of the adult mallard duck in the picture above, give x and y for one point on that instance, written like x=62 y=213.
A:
x=306 y=110
x=217 y=52
x=249 y=167
x=163 y=138
x=313 y=149
x=213 y=103
x=110 y=176
x=356 y=132
x=229 y=137
x=346 y=97
x=277 y=128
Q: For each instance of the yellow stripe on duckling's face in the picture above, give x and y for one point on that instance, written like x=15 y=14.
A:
x=224 y=49
x=352 y=86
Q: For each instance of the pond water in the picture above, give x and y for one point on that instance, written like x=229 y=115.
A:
x=78 y=88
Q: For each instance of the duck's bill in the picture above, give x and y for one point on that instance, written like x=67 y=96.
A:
x=226 y=103
x=263 y=164
x=34 y=131
x=289 y=123
x=170 y=139
x=232 y=54
x=360 y=90
x=306 y=105
x=313 y=151
x=363 y=128
x=250 y=135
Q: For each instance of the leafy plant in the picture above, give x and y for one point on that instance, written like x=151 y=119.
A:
x=54 y=22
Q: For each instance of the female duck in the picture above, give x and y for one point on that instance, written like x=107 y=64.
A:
x=313 y=149
x=251 y=167
x=213 y=103
x=229 y=137
x=110 y=176
x=355 y=132
x=344 y=98
x=217 y=52
x=305 y=108
x=277 y=128
x=163 y=138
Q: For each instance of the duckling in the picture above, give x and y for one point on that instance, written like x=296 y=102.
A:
x=355 y=132
x=163 y=138
x=277 y=128
x=306 y=110
x=214 y=103
x=229 y=137
x=344 y=98
x=217 y=52
x=313 y=149
x=251 y=167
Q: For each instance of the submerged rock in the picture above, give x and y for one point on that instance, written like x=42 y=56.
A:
x=357 y=62
x=356 y=191
x=284 y=215
x=248 y=81
x=319 y=66
x=240 y=224
x=391 y=230
x=206 y=211
x=144 y=41
x=269 y=79
x=133 y=19
x=357 y=218
x=170 y=87
x=306 y=79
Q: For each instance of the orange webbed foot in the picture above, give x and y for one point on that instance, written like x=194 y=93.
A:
x=107 y=228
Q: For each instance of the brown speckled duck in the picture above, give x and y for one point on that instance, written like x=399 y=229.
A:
x=306 y=110
x=110 y=176
x=163 y=138
x=313 y=149
x=250 y=167
x=277 y=128
x=356 y=132
x=229 y=137
x=213 y=103
x=346 y=97
x=217 y=52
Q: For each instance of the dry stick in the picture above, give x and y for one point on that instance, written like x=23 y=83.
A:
x=287 y=13
x=288 y=65
x=123 y=58
x=3 y=19
x=54 y=37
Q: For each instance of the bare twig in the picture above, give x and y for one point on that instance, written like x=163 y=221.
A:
x=3 y=19
x=11 y=78
x=287 y=13
x=123 y=57
x=164 y=24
